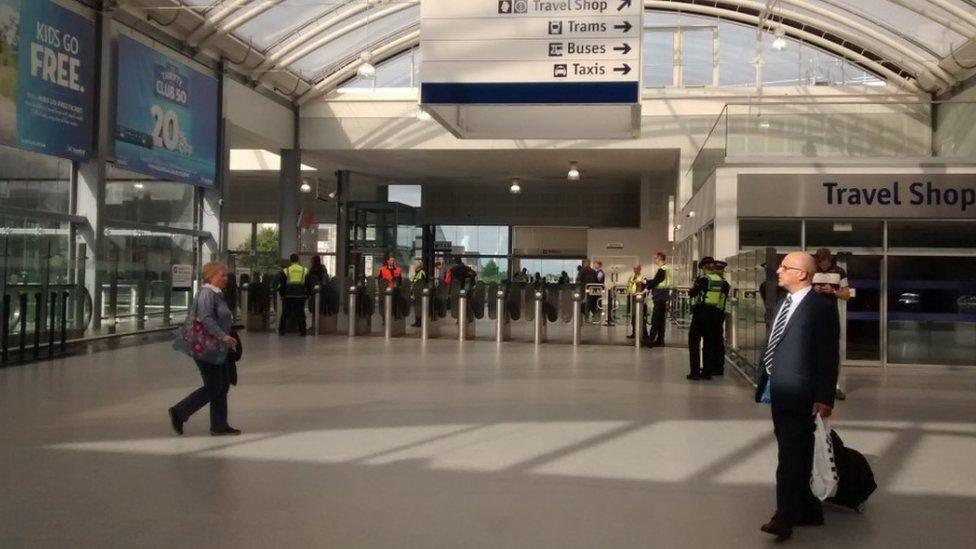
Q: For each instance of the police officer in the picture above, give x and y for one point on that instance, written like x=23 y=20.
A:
x=293 y=279
x=635 y=285
x=417 y=282
x=660 y=288
x=710 y=293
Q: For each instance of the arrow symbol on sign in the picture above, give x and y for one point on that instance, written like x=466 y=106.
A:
x=624 y=4
x=625 y=49
x=626 y=26
x=623 y=70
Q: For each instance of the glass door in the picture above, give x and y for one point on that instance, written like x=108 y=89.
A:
x=861 y=315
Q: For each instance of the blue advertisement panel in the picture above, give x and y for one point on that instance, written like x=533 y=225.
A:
x=47 y=78
x=166 y=118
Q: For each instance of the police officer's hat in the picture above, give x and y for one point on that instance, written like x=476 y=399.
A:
x=705 y=262
x=718 y=264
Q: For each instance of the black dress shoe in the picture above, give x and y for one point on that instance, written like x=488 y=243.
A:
x=630 y=336
x=693 y=377
x=225 y=432
x=175 y=421
x=779 y=528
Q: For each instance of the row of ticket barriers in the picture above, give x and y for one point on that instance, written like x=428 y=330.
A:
x=442 y=310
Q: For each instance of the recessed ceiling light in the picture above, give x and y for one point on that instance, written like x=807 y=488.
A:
x=574 y=173
x=515 y=188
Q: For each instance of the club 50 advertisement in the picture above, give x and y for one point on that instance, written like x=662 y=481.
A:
x=166 y=118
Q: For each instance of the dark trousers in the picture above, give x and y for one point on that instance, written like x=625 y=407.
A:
x=591 y=305
x=656 y=333
x=293 y=309
x=216 y=383
x=706 y=341
x=794 y=437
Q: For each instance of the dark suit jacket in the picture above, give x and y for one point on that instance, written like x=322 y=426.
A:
x=807 y=359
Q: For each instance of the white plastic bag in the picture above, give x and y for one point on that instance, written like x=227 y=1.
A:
x=823 y=478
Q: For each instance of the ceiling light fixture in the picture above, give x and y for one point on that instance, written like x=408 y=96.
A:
x=139 y=186
x=779 y=44
x=306 y=186
x=573 y=174
x=515 y=188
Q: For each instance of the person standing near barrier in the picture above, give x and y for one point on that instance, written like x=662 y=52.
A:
x=417 y=281
x=584 y=278
x=294 y=282
x=706 y=345
x=635 y=285
x=459 y=272
x=318 y=275
x=390 y=273
x=830 y=281
x=660 y=290
x=210 y=308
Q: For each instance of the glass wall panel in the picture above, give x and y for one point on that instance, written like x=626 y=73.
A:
x=931 y=310
x=34 y=181
x=736 y=49
x=489 y=269
x=238 y=236
x=133 y=197
x=550 y=269
x=770 y=232
x=473 y=239
x=844 y=234
x=931 y=234
x=138 y=291
x=864 y=309
x=659 y=58
x=696 y=56
x=395 y=72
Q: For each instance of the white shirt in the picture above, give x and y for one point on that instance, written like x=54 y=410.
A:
x=214 y=288
x=796 y=298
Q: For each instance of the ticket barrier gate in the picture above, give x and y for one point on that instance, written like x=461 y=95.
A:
x=325 y=308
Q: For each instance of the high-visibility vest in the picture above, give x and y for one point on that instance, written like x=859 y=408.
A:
x=419 y=276
x=666 y=284
x=295 y=274
x=713 y=296
x=632 y=283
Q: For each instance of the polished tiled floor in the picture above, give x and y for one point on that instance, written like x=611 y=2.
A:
x=365 y=443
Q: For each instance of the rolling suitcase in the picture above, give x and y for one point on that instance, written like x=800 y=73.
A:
x=856 y=478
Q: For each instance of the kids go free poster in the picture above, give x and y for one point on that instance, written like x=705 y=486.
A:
x=166 y=119
x=47 y=74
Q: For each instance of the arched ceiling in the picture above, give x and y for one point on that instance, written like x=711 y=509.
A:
x=305 y=48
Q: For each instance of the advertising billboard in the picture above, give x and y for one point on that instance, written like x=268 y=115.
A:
x=47 y=78
x=166 y=117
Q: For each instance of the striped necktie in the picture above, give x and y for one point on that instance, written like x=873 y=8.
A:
x=778 y=328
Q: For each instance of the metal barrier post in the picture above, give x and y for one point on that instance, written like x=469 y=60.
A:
x=463 y=315
x=425 y=314
x=501 y=316
x=638 y=320
x=388 y=313
x=577 y=318
x=245 y=302
x=352 y=311
x=37 y=325
x=5 y=331
x=23 y=327
x=64 y=321
x=52 y=319
x=317 y=309
x=540 y=321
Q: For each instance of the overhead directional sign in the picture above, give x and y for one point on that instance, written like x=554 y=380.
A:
x=531 y=51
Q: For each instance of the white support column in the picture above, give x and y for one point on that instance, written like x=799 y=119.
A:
x=290 y=203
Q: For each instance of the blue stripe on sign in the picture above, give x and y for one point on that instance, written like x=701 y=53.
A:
x=532 y=93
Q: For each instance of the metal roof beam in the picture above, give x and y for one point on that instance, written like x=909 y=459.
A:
x=235 y=22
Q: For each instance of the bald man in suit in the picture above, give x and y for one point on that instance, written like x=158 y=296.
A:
x=798 y=375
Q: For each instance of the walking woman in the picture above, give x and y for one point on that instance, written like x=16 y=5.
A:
x=210 y=308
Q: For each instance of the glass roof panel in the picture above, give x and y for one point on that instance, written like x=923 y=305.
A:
x=355 y=41
x=931 y=39
x=282 y=20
